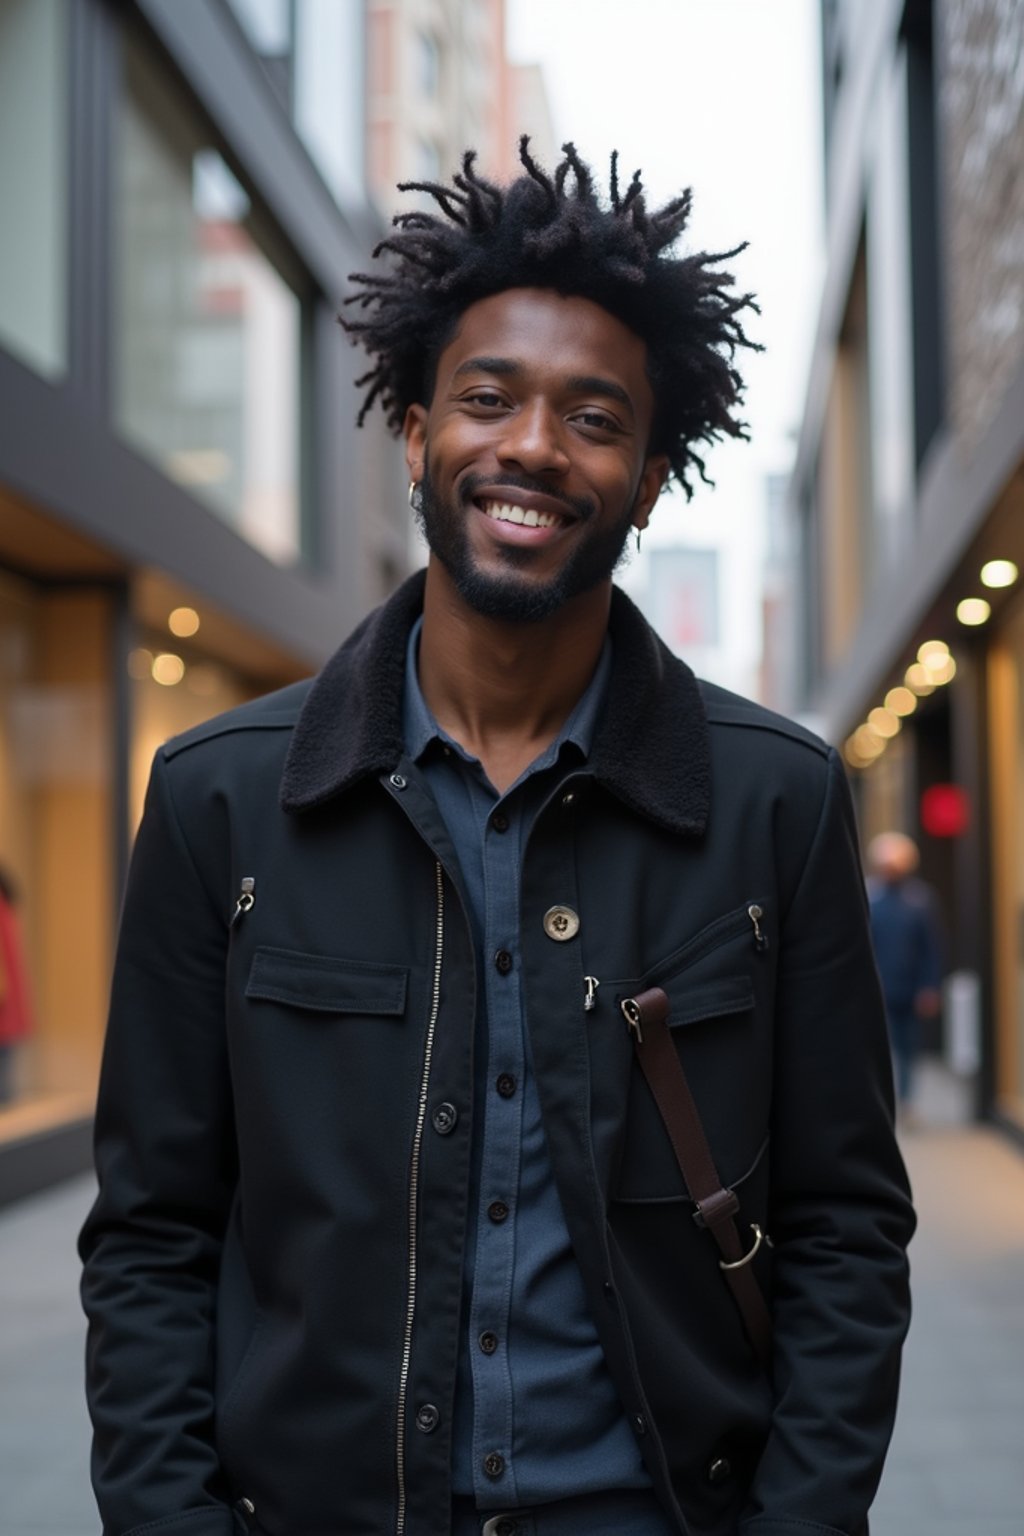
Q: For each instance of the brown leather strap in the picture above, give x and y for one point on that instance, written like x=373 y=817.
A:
x=716 y=1207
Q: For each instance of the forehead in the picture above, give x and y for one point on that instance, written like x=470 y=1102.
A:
x=550 y=334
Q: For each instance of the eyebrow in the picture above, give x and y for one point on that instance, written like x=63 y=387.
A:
x=584 y=384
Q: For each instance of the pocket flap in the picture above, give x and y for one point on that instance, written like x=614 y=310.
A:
x=709 y=999
x=326 y=983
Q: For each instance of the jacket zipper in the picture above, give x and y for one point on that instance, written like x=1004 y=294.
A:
x=751 y=915
x=414 y=1190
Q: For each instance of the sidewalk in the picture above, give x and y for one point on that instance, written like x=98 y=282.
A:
x=957 y=1461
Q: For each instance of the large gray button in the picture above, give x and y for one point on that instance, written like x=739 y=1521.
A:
x=561 y=923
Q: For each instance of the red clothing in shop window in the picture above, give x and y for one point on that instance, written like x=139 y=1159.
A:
x=15 y=1003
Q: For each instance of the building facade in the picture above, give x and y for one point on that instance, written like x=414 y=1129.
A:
x=439 y=82
x=188 y=516
x=908 y=494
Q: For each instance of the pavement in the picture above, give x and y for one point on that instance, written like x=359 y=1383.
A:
x=957 y=1458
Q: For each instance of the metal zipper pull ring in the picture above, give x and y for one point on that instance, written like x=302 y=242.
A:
x=246 y=900
x=755 y=913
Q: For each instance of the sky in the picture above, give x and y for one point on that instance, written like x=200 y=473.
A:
x=722 y=96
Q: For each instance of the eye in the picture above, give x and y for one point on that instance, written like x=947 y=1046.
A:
x=596 y=421
x=488 y=399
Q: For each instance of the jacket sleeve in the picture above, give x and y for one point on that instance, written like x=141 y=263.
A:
x=841 y=1215
x=165 y=1162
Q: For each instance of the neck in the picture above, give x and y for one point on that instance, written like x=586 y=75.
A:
x=504 y=690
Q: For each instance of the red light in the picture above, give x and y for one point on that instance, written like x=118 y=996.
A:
x=945 y=810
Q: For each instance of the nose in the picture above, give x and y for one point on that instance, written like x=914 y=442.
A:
x=533 y=439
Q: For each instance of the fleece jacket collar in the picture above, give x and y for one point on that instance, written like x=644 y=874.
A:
x=651 y=748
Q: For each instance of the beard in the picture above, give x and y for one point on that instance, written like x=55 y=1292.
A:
x=513 y=595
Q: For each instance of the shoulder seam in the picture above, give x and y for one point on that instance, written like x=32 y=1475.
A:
x=794 y=733
x=197 y=737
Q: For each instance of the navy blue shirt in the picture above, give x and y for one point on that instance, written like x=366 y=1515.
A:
x=532 y=1387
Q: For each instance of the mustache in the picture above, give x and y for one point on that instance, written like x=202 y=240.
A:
x=580 y=506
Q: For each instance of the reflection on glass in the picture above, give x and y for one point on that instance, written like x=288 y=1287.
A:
x=209 y=333
x=33 y=133
x=56 y=781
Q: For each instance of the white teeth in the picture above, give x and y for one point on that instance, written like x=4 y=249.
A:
x=527 y=517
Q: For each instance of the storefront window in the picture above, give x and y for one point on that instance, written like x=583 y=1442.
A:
x=56 y=885
x=174 y=687
x=33 y=181
x=209 y=332
x=1006 y=719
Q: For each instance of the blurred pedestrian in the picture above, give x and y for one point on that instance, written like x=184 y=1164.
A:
x=15 y=1004
x=412 y=1218
x=907 y=937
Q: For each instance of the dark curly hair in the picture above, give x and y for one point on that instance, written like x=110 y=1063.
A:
x=554 y=232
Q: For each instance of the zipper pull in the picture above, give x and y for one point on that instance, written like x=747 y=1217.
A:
x=590 y=984
x=246 y=900
x=755 y=913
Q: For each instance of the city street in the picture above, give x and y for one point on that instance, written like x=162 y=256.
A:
x=956 y=1467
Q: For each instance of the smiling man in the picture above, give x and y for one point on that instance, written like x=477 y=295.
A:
x=495 y=1133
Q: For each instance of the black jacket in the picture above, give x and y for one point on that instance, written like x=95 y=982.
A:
x=273 y=1263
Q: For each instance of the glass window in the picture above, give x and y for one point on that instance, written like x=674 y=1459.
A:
x=329 y=89
x=33 y=181
x=429 y=64
x=209 y=332
x=56 y=849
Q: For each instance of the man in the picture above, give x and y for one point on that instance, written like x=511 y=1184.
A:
x=908 y=951
x=391 y=1236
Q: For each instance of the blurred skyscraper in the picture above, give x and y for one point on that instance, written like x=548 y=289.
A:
x=188 y=515
x=908 y=495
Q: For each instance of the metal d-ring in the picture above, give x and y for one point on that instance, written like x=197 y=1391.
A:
x=759 y=1238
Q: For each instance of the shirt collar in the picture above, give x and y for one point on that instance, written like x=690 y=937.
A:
x=420 y=727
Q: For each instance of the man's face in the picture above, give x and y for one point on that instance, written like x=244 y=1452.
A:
x=532 y=457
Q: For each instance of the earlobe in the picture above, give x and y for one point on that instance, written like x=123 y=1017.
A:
x=652 y=482
x=414 y=430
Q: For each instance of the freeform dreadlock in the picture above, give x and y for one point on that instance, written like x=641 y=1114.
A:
x=546 y=231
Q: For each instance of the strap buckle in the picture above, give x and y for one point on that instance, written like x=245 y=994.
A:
x=759 y=1238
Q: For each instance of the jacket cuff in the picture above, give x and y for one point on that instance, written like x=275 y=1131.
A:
x=207 y=1520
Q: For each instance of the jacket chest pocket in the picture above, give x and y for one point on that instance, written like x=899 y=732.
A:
x=326 y=984
x=321 y=1035
x=718 y=985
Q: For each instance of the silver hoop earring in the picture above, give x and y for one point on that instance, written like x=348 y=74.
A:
x=415 y=495
x=638 y=533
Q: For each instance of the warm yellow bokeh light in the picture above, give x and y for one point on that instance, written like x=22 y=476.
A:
x=901 y=701
x=943 y=670
x=973 y=610
x=884 y=722
x=183 y=622
x=168 y=669
x=998 y=573
x=919 y=679
x=931 y=648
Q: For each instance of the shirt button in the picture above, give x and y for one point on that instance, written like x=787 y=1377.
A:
x=506 y=1527
x=499 y=821
x=503 y=962
x=445 y=1118
x=498 y=1211
x=506 y=1085
x=427 y=1418
x=720 y=1470
x=561 y=923
x=488 y=1342
x=639 y=1424
x=494 y=1464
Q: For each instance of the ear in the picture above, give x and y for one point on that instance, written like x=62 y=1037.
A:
x=652 y=479
x=414 y=430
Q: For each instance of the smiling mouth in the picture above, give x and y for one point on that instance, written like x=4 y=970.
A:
x=524 y=517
